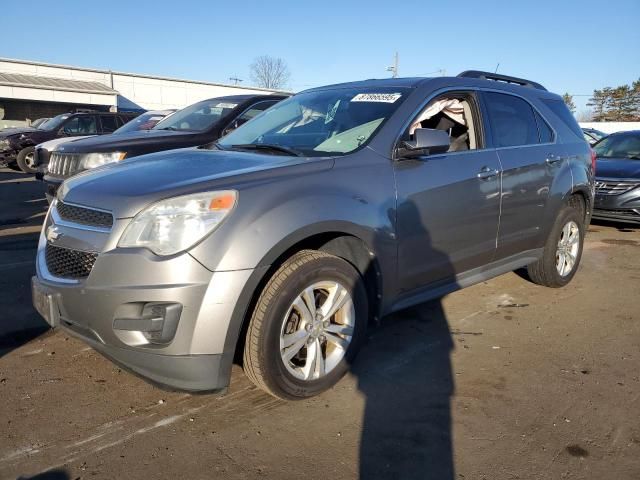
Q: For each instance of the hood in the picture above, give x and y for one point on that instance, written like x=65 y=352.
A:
x=52 y=144
x=157 y=139
x=7 y=132
x=622 y=168
x=127 y=187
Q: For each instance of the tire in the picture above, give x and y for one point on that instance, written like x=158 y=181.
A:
x=276 y=320
x=25 y=160
x=550 y=271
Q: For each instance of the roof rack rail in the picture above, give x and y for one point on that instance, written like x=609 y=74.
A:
x=501 y=78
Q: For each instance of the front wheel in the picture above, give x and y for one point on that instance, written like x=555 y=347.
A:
x=307 y=326
x=27 y=160
x=563 y=249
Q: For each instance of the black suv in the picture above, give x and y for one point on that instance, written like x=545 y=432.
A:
x=18 y=144
x=198 y=124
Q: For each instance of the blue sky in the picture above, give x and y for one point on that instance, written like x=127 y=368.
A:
x=567 y=46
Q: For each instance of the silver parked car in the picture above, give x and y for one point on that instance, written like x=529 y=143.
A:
x=335 y=206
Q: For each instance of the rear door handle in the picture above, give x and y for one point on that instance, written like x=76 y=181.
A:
x=487 y=173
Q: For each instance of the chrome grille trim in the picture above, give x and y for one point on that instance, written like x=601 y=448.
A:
x=614 y=187
x=64 y=164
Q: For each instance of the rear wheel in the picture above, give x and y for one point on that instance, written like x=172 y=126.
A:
x=307 y=326
x=26 y=160
x=563 y=249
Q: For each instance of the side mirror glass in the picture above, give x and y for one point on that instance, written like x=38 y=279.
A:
x=426 y=141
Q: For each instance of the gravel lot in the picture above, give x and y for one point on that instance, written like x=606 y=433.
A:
x=504 y=380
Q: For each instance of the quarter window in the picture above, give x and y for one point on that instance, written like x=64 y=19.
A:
x=512 y=120
x=544 y=130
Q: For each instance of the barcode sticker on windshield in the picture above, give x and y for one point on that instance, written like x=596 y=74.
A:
x=226 y=105
x=376 y=97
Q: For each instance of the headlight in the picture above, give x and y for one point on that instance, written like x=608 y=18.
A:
x=173 y=225
x=4 y=144
x=93 y=160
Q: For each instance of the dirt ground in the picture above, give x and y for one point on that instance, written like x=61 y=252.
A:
x=503 y=380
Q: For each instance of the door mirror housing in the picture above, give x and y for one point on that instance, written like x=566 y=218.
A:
x=427 y=141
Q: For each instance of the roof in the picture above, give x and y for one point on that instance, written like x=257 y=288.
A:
x=409 y=82
x=50 y=83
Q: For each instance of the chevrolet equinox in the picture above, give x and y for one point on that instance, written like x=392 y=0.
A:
x=334 y=207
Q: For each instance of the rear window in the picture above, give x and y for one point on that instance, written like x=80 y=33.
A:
x=562 y=112
x=512 y=120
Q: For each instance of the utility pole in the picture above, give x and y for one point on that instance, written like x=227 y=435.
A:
x=235 y=80
x=394 y=68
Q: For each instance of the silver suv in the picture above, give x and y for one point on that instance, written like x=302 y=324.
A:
x=334 y=207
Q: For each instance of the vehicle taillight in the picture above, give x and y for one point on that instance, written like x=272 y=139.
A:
x=593 y=161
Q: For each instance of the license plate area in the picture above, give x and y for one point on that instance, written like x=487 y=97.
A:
x=45 y=303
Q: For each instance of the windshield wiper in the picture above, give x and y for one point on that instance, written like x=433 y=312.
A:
x=269 y=146
x=171 y=129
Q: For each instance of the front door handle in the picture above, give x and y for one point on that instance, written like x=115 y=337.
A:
x=487 y=173
x=551 y=159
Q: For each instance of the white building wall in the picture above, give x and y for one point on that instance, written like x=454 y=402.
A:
x=611 y=127
x=135 y=91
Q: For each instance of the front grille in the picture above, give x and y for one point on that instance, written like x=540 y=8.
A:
x=64 y=164
x=612 y=187
x=84 y=216
x=67 y=263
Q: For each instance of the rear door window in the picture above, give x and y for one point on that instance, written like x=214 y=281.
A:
x=512 y=120
x=109 y=124
x=81 y=125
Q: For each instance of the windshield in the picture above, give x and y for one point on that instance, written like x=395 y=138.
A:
x=597 y=134
x=37 y=123
x=197 y=117
x=54 y=122
x=145 y=121
x=619 y=146
x=319 y=123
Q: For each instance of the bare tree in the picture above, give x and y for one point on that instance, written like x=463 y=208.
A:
x=584 y=116
x=269 y=72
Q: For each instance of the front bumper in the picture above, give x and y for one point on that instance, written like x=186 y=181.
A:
x=7 y=157
x=621 y=208
x=120 y=283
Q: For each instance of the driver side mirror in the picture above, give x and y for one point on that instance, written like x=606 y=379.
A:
x=426 y=141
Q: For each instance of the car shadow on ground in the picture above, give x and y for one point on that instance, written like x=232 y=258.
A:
x=24 y=207
x=405 y=373
x=406 y=376
x=620 y=226
x=56 y=474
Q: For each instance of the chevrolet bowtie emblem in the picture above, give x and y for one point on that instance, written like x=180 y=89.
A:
x=53 y=233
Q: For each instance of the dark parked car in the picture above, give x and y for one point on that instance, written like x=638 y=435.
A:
x=592 y=135
x=618 y=177
x=334 y=207
x=36 y=123
x=145 y=121
x=198 y=124
x=18 y=144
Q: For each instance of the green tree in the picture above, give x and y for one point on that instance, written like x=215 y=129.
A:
x=568 y=99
